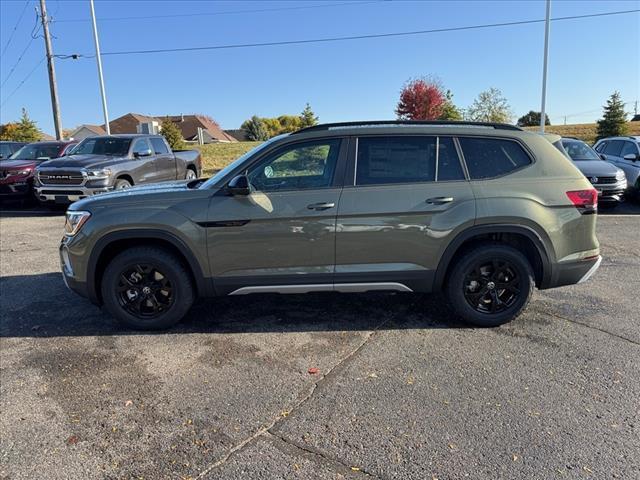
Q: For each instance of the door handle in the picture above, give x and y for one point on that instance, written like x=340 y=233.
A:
x=321 y=206
x=439 y=200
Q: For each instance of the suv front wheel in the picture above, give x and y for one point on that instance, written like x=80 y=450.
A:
x=147 y=288
x=490 y=285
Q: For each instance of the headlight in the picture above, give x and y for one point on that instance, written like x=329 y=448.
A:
x=26 y=171
x=620 y=175
x=74 y=222
x=98 y=174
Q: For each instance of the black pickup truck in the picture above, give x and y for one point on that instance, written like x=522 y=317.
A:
x=113 y=162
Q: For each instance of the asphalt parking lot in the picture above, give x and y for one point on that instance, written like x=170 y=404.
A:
x=402 y=390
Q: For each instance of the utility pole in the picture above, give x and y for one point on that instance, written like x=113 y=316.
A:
x=99 y=61
x=544 y=67
x=53 y=86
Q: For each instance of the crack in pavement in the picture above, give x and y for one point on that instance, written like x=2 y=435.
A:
x=265 y=429
x=334 y=462
x=567 y=319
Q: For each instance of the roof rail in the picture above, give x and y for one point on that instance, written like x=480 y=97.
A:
x=369 y=123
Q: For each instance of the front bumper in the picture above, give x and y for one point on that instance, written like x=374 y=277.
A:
x=67 y=193
x=608 y=193
x=68 y=274
x=19 y=189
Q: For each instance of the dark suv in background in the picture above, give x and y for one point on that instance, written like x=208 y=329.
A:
x=624 y=153
x=484 y=212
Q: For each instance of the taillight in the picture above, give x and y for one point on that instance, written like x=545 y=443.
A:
x=586 y=201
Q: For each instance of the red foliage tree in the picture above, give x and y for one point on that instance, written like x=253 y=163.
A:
x=421 y=99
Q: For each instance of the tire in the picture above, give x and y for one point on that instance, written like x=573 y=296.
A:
x=190 y=174
x=147 y=288
x=473 y=285
x=121 y=184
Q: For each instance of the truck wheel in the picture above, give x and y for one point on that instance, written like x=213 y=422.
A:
x=490 y=285
x=147 y=288
x=121 y=184
x=191 y=174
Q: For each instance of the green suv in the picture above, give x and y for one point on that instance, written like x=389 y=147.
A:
x=484 y=212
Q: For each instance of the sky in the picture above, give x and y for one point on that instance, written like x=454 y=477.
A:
x=343 y=81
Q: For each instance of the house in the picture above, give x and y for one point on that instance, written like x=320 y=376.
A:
x=194 y=128
x=239 y=134
x=85 y=131
x=190 y=125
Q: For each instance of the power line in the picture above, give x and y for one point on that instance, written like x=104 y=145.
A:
x=227 y=12
x=34 y=35
x=364 y=37
x=23 y=81
x=24 y=9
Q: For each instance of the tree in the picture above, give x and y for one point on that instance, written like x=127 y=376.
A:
x=449 y=110
x=25 y=130
x=272 y=125
x=490 y=106
x=172 y=133
x=255 y=129
x=289 y=123
x=614 y=118
x=421 y=99
x=307 y=117
x=532 y=119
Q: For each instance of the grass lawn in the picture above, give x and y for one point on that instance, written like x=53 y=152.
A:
x=216 y=156
x=584 y=131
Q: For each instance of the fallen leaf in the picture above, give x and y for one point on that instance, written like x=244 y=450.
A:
x=314 y=370
x=587 y=469
x=453 y=446
x=355 y=469
x=410 y=381
x=373 y=375
x=128 y=403
x=72 y=440
x=515 y=457
x=284 y=413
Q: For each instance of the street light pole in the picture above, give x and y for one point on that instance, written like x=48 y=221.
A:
x=53 y=86
x=99 y=61
x=544 y=68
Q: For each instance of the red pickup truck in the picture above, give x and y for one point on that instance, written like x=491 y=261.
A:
x=17 y=171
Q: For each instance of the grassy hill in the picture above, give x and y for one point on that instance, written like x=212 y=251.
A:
x=583 y=131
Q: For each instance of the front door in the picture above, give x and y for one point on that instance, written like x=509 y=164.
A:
x=144 y=162
x=407 y=199
x=282 y=235
x=165 y=160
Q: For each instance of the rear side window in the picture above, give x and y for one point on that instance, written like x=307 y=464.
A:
x=402 y=159
x=629 y=147
x=159 y=146
x=492 y=157
x=614 y=147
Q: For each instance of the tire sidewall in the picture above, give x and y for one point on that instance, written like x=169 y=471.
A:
x=122 y=181
x=169 y=266
x=455 y=284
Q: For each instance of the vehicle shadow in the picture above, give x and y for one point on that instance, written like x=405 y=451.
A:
x=13 y=210
x=41 y=306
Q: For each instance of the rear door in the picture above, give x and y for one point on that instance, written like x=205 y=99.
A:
x=405 y=198
x=283 y=233
x=165 y=160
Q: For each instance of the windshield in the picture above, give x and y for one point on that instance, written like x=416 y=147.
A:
x=578 y=150
x=36 y=151
x=222 y=173
x=118 y=147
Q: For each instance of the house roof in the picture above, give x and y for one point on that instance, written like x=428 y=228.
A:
x=189 y=124
x=97 y=129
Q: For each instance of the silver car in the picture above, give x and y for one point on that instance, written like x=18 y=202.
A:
x=624 y=153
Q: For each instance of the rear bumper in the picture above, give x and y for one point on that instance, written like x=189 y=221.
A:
x=571 y=273
x=67 y=193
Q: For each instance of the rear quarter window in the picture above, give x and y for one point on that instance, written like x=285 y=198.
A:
x=492 y=157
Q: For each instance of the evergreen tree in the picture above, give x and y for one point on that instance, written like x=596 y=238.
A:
x=172 y=133
x=307 y=117
x=532 y=119
x=26 y=129
x=256 y=130
x=614 y=118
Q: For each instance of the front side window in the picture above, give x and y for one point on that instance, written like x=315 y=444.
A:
x=307 y=165
x=141 y=146
x=492 y=157
x=600 y=147
x=614 y=147
x=159 y=146
x=579 y=151
x=629 y=147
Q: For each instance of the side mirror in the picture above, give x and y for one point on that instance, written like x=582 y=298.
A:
x=142 y=153
x=239 y=186
x=603 y=156
x=631 y=156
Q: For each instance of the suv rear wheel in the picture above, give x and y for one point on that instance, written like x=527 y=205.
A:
x=490 y=285
x=147 y=288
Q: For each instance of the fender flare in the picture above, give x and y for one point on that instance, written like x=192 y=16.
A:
x=203 y=287
x=447 y=257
